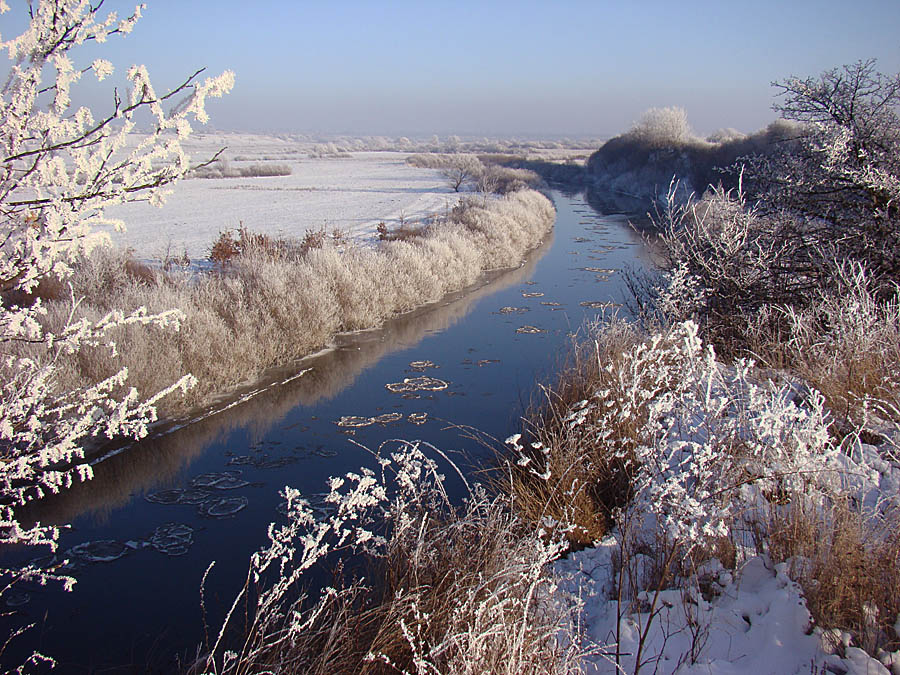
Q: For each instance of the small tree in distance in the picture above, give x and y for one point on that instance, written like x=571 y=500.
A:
x=60 y=169
x=461 y=169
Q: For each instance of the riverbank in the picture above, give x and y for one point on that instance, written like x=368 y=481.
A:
x=275 y=301
x=740 y=446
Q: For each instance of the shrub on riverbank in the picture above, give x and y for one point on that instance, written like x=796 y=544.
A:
x=485 y=173
x=793 y=455
x=272 y=304
x=642 y=162
x=221 y=168
x=682 y=464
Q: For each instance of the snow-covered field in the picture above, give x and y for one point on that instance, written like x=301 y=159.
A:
x=353 y=193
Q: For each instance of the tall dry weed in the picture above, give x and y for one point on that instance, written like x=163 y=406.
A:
x=846 y=345
x=455 y=590
x=848 y=563
x=572 y=473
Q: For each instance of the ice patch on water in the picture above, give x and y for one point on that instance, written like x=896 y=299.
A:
x=101 y=550
x=422 y=383
x=354 y=421
x=222 y=480
x=172 y=539
x=223 y=507
x=420 y=366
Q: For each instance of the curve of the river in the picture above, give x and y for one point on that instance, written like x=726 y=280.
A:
x=159 y=508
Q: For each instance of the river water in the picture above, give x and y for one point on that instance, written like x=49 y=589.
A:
x=157 y=512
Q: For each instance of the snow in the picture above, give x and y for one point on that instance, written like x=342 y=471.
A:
x=750 y=620
x=755 y=622
x=352 y=192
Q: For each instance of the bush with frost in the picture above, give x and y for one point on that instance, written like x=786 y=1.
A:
x=697 y=432
x=840 y=175
x=263 y=288
x=454 y=589
x=663 y=127
x=710 y=460
x=61 y=167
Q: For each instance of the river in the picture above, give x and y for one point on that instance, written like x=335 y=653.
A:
x=157 y=512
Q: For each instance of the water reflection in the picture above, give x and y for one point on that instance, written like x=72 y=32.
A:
x=156 y=462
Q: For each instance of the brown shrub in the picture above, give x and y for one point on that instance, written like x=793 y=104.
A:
x=403 y=232
x=49 y=288
x=224 y=249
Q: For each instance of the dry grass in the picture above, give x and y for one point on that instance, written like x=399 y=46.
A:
x=462 y=587
x=846 y=345
x=402 y=232
x=276 y=301
x=457 y=596
x=455 y=590
x=221 y=168
x=848 y=564
x=587 y=483
x=801 y=511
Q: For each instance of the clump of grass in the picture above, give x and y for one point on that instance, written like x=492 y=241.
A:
x=221 y=168
x=848 y=563
x=845 y=344
x=586 y=481
x=402 y=232
x=231 y=245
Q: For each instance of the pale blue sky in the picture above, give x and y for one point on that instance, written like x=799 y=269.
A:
x=498 y=68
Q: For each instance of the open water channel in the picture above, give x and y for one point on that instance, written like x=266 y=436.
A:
x=157 y=512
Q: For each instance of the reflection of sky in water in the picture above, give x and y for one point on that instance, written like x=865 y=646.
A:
x=163 y=510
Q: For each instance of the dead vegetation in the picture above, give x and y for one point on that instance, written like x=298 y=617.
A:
x=453 y=590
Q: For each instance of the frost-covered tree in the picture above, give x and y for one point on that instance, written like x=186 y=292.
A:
x=840 y=175
x=461 y=169
x=61 y=167
x=663 y=127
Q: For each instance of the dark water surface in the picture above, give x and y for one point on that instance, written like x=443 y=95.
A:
x=136 y=605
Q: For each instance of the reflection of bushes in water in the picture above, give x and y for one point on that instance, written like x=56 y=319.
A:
x=266 y=310
x=155 y=463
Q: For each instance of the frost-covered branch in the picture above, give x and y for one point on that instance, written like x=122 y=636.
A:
x=61 y=167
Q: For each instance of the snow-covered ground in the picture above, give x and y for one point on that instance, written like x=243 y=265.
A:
x=751 y=621
x=353 y=193
x=755 y=623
